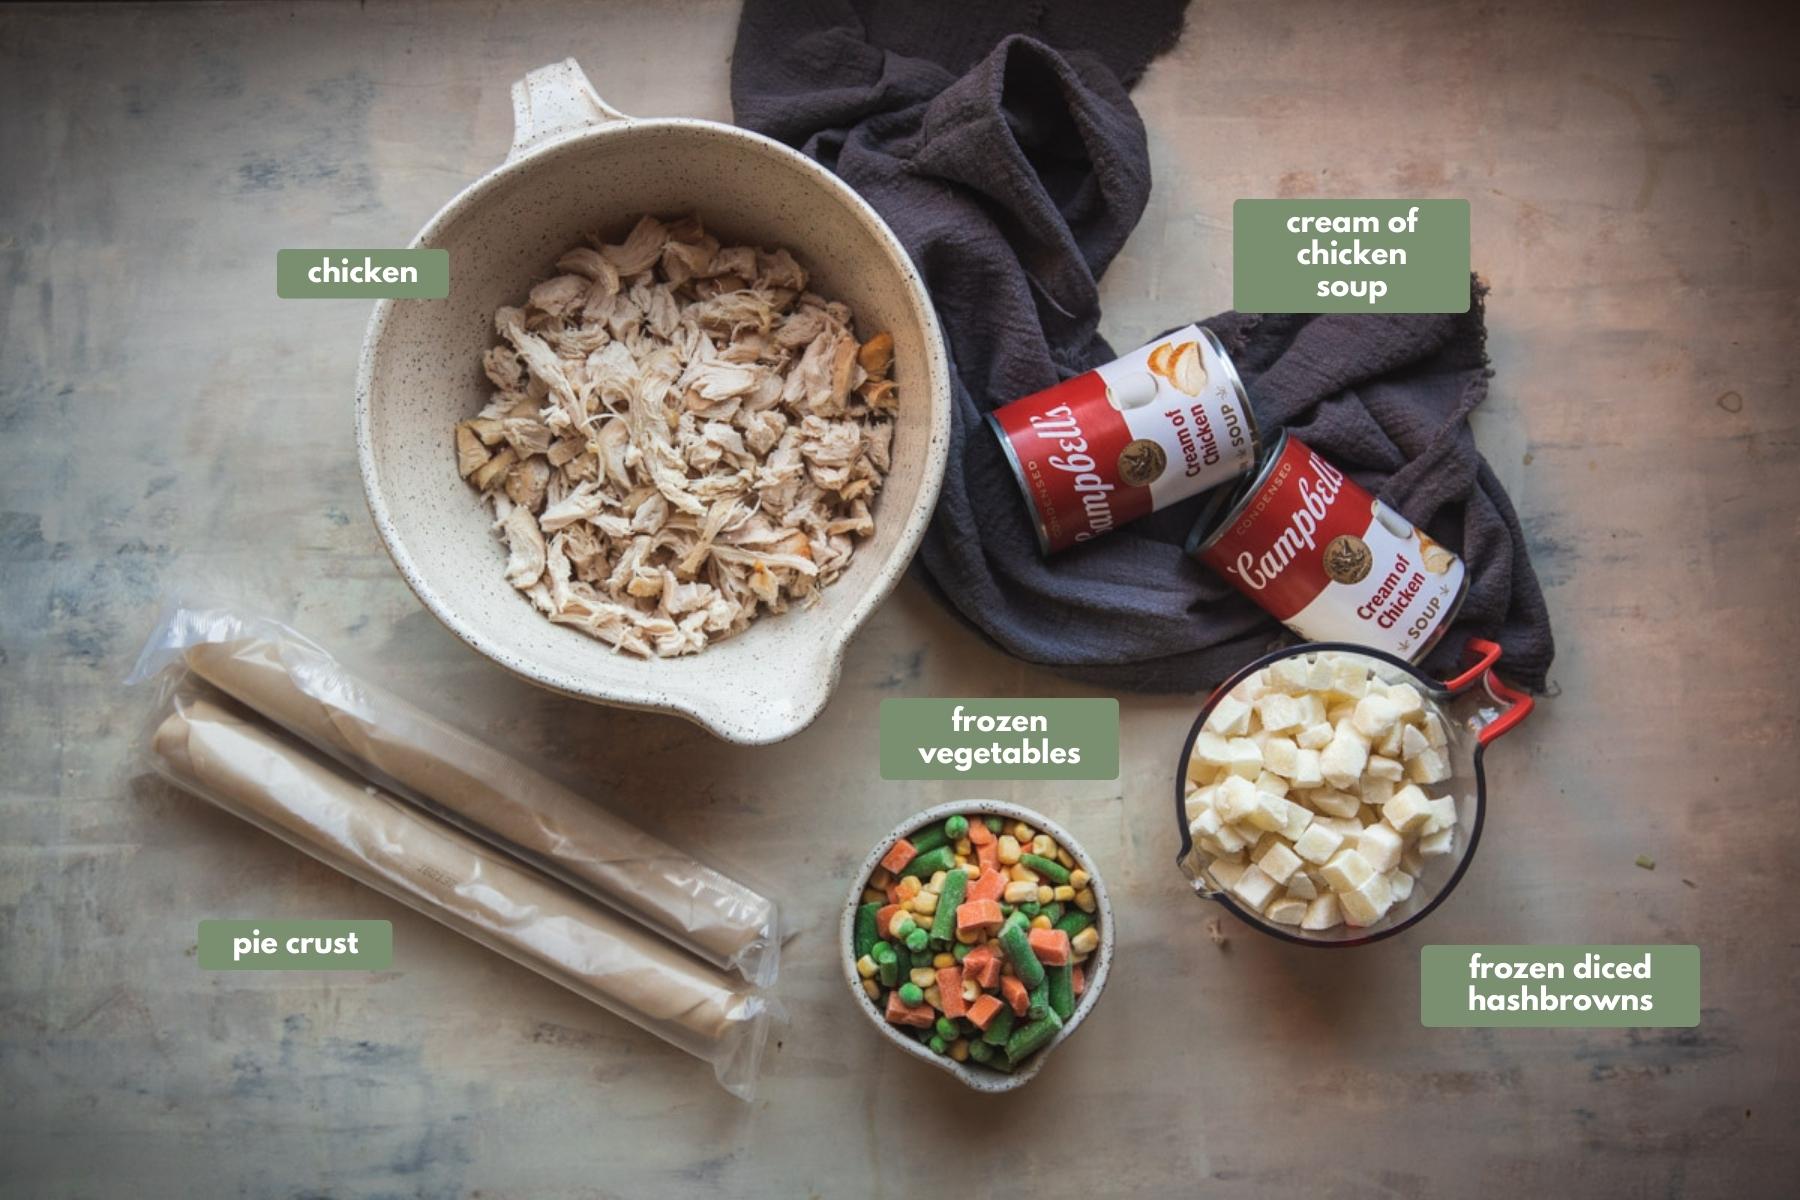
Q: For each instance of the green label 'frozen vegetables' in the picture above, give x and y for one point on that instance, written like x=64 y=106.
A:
x=991 y=738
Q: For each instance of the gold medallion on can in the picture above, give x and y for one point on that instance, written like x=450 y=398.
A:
x=1141 y=462
x=1347 y=558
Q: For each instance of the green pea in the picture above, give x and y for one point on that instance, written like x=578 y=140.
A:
x=911 y=994
x=956 y=828
x=1048 y=868
x=917 y=939
x=904 y=926
x=994 y=824
x=947 y=1029
x=980 y=1051
x=1053 y=910
x=1031 y=908
x=961 y=950
x=938 y=1045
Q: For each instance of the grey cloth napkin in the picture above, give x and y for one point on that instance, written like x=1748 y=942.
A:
x=1000 y=144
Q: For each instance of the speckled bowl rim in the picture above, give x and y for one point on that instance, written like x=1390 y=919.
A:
x=973 y=1075
x=719 y=721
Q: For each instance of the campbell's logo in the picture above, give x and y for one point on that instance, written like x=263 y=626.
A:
x=1258 y=571
x=1061 y=426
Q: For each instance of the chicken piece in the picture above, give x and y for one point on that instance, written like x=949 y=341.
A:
x=525 y=544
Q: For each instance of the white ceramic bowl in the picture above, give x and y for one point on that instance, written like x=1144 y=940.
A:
x=577 y=165
x=1099 y=964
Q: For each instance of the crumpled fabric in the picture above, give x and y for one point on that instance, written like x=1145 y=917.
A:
x=1000 y=143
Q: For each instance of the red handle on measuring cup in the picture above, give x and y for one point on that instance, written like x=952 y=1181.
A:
x=1518 y=704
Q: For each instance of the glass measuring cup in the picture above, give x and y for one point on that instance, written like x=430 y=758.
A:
x=1476 y=707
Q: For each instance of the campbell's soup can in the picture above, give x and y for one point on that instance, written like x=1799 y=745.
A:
x=1165 y=422
x=1328 y=560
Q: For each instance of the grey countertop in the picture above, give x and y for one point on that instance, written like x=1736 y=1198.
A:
x=171 y=428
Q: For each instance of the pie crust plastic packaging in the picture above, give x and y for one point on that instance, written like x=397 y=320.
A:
x=293 y=682
x=249 y=769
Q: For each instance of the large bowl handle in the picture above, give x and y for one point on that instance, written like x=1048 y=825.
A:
x=553 y=102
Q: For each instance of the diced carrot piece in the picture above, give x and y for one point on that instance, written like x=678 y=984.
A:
x=978 y=914
x=980 y=834
x=985 y=1008
x=1077 y=981
x=898 y=855
x=1015 y=994
x=901 y=1013
x=1050 y=945
x=983 y=966
x=987 y=886
x=950 y=991
x=893 y=894
x=884 y=920
x=988 y=856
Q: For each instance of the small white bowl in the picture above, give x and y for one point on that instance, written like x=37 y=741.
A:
x=972 y=1073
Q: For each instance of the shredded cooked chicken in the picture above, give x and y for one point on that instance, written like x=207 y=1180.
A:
x=682 y=436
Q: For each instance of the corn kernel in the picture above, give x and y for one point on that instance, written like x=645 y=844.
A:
x=923 y=976
x=967 y=936
x=1085 y=942
x=865 y=966
x=971 y=989
x=959 y=1050
x=1084 y=900
x=1020 y=893
x=1045 y=894
x=909 y=887
x=937 y=881
x=1009 y=849
x=1078 y=879
x=1064 y=857
x=873 y=989
x=962 y=860
x=934 y=997
x=874 y=896
x=925 y=903
x=940 y=961
x=1023 y=832
x=1020 y=873
x=1040 y=922
x=1064 y=893
x=1044 y=846
x=963 y=847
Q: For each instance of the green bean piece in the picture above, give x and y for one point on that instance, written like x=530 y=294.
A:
x=1031 y=908
x=1015 y=941
x=1053 y=910
x=1049 y=868
x=994 y=824
x=938 y=1045
x=980 y=1051
x=956 y=828
x=1062 y=990
x=961 y=950
x=887 y=963
x=911 y=993
x=917 y=939
x=1074 y=922
x=866 y=933
x=1029 y=1039
x=927 y=840
x=929 y=863
x=1000 y=1028
x=946 y=1029
x=1039 y=1002
x=943 y=924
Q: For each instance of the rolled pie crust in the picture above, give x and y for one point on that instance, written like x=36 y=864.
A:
x=460 y=882
x=497 y=798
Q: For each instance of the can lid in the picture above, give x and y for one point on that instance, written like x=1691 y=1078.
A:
x=1225 y=505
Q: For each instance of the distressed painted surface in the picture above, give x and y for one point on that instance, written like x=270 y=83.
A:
x=169 y=425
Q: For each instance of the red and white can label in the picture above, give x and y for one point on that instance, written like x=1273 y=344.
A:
x=1333 y=563
x=1165 y=422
